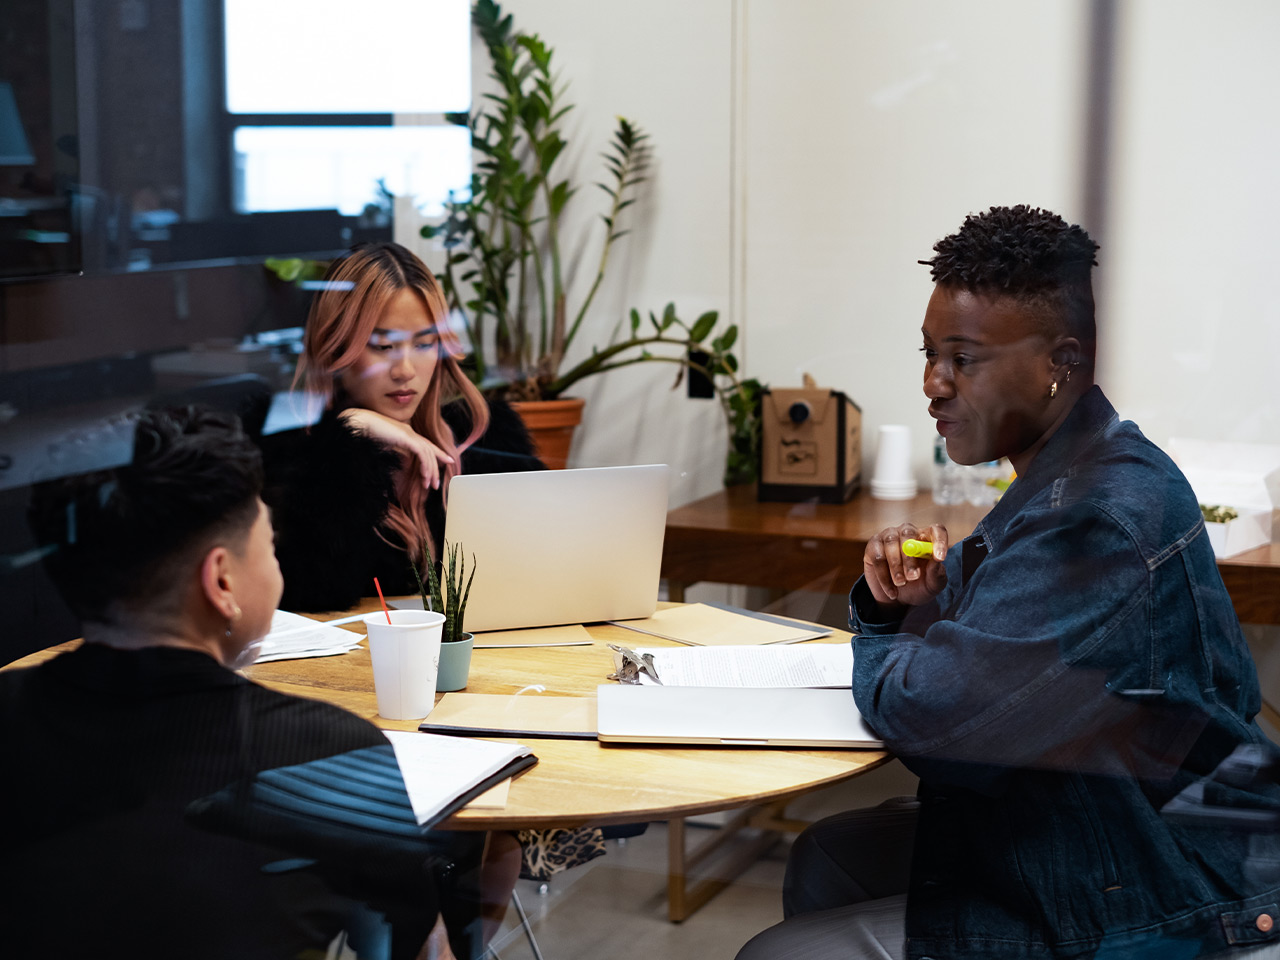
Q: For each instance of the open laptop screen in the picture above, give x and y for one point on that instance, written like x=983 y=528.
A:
x=560 y=546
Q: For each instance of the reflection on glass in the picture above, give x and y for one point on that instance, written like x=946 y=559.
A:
x=348 y=168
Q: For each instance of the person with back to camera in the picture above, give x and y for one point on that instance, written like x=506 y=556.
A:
x=1054 y=679
x=359 y=493
x=108 y=749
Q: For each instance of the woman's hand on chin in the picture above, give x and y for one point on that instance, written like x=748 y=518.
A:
x=400 y=436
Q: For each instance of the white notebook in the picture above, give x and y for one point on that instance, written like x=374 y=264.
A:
x=440 y=771
x=731 y=716
x=802 y=665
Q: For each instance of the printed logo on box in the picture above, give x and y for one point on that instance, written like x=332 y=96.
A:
x=797 y=457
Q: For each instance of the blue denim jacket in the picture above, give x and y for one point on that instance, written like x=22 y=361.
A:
x=1082 y=666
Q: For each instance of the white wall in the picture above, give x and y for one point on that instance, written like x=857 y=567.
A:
x=807 y=154
x=1190 y=319
x=872 y=129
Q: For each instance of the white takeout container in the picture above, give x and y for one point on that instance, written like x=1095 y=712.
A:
x=1243 y=476
x=1249 y=530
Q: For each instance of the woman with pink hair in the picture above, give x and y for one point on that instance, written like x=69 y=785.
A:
x=362 y=492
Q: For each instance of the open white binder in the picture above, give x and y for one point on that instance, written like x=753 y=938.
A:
x=731 y=716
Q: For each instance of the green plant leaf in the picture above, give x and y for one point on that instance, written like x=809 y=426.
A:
x=287 y=270
x=560 y=195
x=462 y=604
x=725 y=340
x=635 y=321
x=703 y=326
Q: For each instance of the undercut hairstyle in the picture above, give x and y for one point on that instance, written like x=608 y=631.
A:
x=1029 y=254
x=357 y=291
x=123 y=539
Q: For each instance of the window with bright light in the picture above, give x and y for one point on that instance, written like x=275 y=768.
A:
x=307 y=168
x=317 y=90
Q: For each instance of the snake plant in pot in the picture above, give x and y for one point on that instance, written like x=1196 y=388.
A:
x=445 y=592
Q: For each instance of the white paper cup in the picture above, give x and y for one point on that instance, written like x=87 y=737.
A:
x=406 y=658
x=893 y=479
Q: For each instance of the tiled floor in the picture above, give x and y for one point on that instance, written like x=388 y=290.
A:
x=616 y=906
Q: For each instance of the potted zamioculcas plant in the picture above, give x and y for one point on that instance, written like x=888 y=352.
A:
x=445 y=592
x=512 y=256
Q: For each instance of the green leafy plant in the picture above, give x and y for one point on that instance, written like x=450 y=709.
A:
x=295 y=269
x=668 y=339
x=742 y=410
x=1215 y=513
x=506 y=273
x=444 y=591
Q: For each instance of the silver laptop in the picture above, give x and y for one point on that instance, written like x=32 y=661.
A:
x=560 y=546
x=731 y=716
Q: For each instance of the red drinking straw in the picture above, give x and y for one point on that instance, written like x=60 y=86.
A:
x=378 y=586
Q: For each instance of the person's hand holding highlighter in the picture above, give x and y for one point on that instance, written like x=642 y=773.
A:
x=903 y=565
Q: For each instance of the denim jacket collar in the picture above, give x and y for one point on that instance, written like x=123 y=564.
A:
x=1091 y=417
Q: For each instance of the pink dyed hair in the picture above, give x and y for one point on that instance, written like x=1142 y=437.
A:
x=342 y=319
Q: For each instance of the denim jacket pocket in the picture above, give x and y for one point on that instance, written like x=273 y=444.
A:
x=1255 y=924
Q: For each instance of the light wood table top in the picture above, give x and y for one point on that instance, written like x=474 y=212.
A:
x=730 y=537
x=576 y=782
x=581 y=782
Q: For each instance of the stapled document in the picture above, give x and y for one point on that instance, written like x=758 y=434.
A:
x=805 y=665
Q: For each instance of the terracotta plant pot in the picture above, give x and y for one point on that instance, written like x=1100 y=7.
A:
x=551 y=424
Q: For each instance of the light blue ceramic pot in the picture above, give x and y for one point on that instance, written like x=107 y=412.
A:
x=455 y=664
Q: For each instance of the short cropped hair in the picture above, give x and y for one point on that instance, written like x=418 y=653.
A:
x=124 y=537
x=1029 y=254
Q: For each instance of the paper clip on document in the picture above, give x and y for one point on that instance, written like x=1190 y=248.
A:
x=628 y=665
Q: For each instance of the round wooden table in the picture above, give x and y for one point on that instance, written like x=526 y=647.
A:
x=583 y=782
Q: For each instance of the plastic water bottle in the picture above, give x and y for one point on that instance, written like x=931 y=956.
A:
x=981 y=493
x=948 y=476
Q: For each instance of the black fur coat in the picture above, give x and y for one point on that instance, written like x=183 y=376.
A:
x=329 y=489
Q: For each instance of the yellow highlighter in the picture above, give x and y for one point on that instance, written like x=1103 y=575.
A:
x=917 y=548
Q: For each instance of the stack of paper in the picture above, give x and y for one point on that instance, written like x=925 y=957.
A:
x=703 y=625
x=443 y=773
x=294 y=637
x=808 y=665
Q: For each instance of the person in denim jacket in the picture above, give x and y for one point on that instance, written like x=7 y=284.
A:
x=1054 y=679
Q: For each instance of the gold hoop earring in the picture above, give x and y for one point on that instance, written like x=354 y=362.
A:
x=1053 y=389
